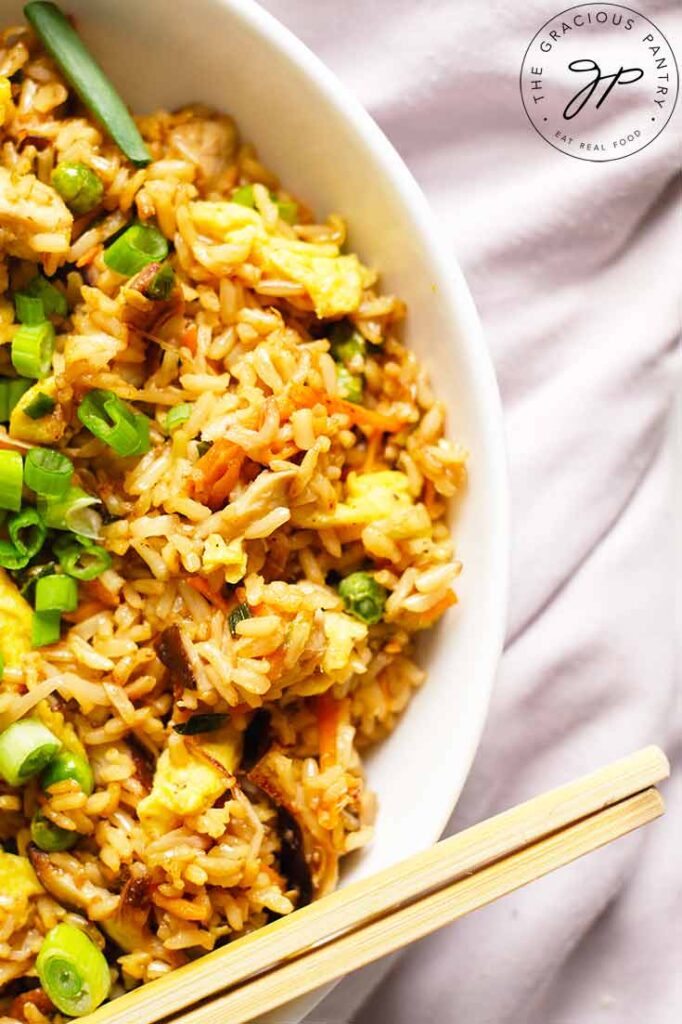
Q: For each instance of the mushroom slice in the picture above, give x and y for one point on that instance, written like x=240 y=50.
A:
x=307 y=857
x=141 y=310
x=66 y=879
x=292 y=857
x=128 y=926
x=257 y=739
x=37 y=997
x=174 y=649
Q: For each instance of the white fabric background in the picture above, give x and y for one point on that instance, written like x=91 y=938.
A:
x=575 y=268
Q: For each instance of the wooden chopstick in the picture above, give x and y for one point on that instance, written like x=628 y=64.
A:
x=359 y=948
x=376 y=897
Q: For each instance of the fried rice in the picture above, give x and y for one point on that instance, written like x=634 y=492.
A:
x=272 y=490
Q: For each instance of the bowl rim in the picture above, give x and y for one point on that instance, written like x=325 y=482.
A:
x=454 y=291
x=458 y=300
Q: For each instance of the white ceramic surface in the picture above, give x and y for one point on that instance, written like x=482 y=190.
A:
x=233 y=55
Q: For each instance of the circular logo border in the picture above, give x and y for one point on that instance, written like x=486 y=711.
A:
x=588 y=159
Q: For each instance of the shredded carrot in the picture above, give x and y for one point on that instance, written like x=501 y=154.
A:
x=189 y=339
x=327 y=727
x=286 y=451
x=202 y=587
x=84 y=611
x=96 y=590
x=222 y=487
x=89 y=255
x=217 y=472
x=305 y=396
x=276 y=661
x=372 y=446
x=183 y=908
x=429 y=495
x=274 y=876
x=429 y=617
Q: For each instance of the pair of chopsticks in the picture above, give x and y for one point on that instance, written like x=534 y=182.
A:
x=374 y=917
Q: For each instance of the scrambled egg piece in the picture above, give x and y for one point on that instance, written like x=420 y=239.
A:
x=47 y=429
x=333 y=281
x=342 y=632
x=369 y=496
x=5 y=98
x=179 y=791
x=16 y=620
x=63 y=730
x=220 y=219
x=34 y=219
x=18 y=882
x=182 y=790
x=229 y=554
x=224 y=746
x=7 y=324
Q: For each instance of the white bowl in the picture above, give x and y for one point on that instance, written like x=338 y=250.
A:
x=236 y=57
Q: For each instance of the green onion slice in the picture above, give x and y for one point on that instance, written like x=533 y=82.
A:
x=27 y=531
x=2 y=665
x=16 y=389
x=74 y=511
x=26 y=747
x=56 y=594
x=40 y=406
x=54 y=301
x=135 y=248
x=46 y=628
x=27 y=577
x=11 y=480
x=288 y=210
x=162 y=283
x=200 y=723
x=48 y=472
x=32 y=349
x=11 y=391
x=238 y=614
x=27 y=534
x=82 y=561
x=29 y=308
x=178 y=415
x=68 y=765
x=142 y=425
x=350 y=385
x=346 y=342
x=50 y=837
x=114 y=422
x=244 y=196
x=73 y=971
x=87 y=78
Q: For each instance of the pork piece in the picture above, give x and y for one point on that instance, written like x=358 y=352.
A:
x=209 y=143
x=33 y=217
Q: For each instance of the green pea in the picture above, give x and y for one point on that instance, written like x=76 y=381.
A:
x=363 y=597
x=50 y=837
x=68 y=765
x=78 y=185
